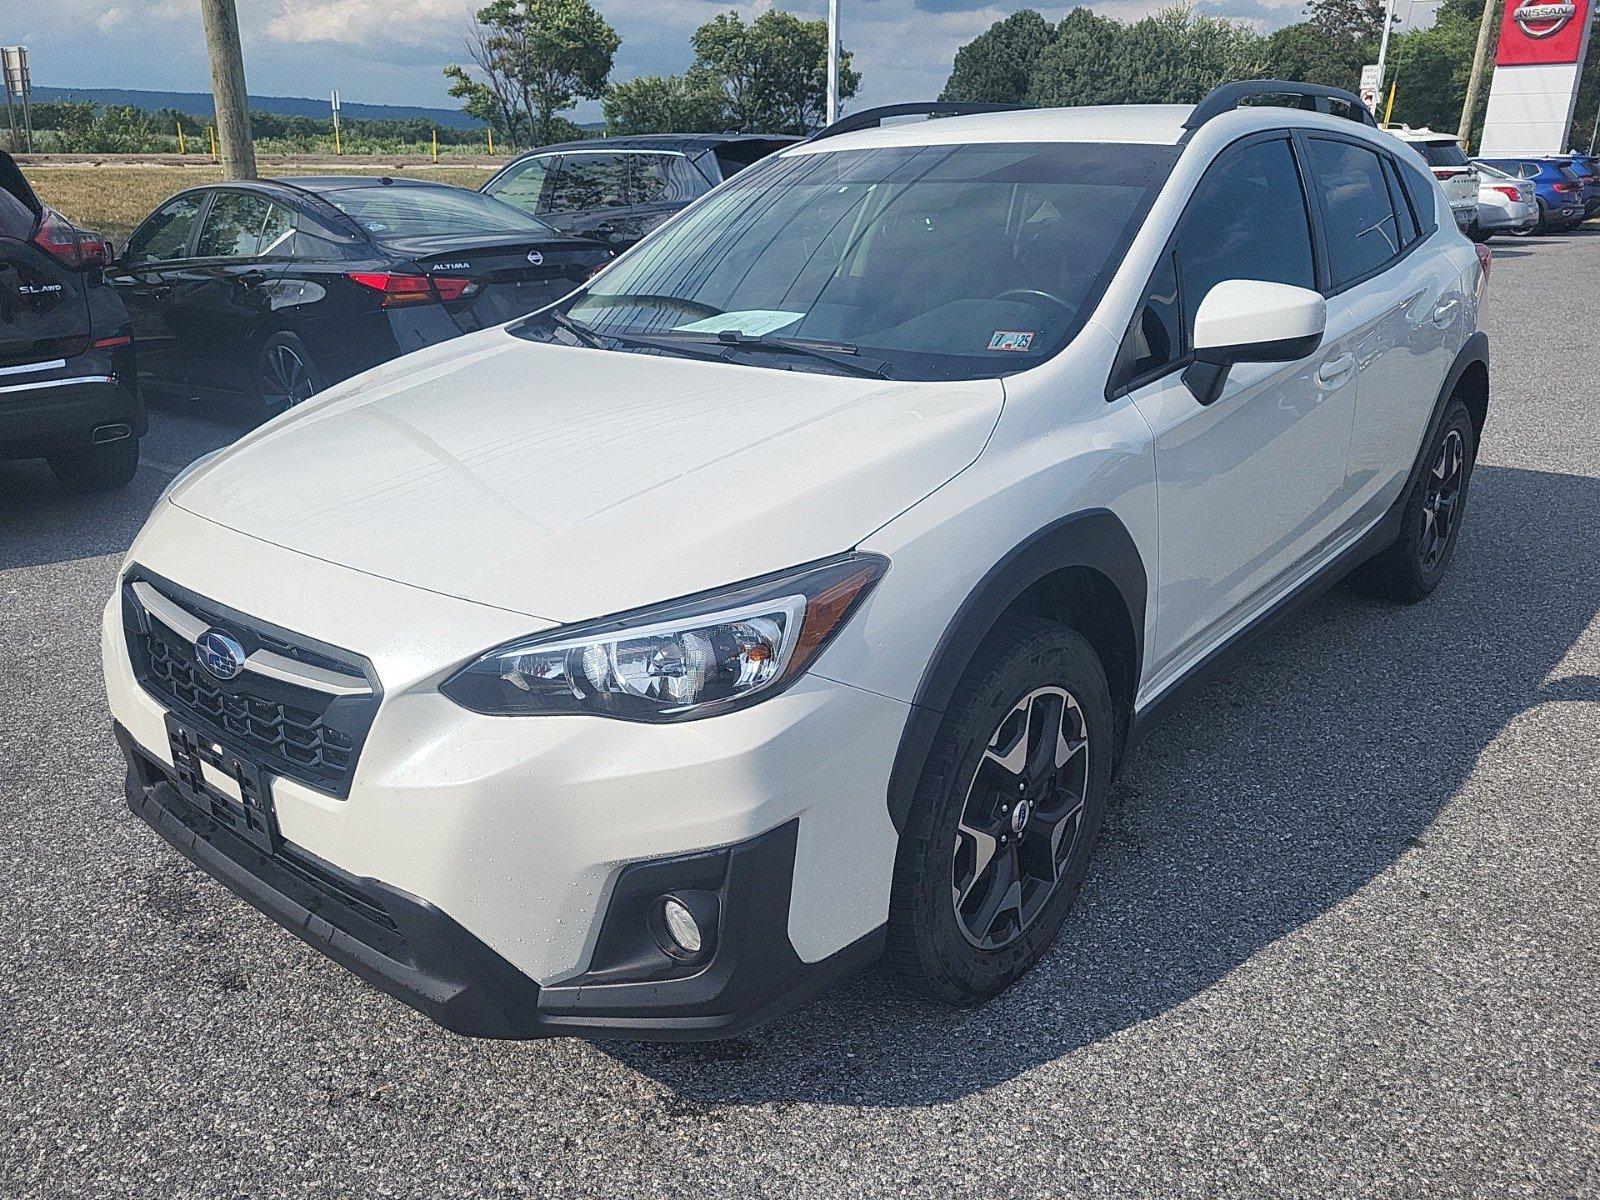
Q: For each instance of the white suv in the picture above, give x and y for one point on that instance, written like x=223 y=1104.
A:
x=1456 y=174
x=791 y=592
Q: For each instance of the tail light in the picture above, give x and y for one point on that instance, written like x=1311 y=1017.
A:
x=69 y=245
x=1510 y=193
x=1564 y=188
x=1485 y=262
x=399 y=290
x=1444 y=173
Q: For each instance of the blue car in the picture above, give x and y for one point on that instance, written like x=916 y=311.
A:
x=1587 y=168
x=1559 y=189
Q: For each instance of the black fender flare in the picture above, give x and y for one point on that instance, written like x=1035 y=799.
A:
x=1474 y=352
x=1095 y=539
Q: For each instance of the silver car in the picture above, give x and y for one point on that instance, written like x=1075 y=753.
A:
x=1506 y=204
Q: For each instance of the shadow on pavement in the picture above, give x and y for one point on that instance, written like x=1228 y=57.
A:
x=1273 y=795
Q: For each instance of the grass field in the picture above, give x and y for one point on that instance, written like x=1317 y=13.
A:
x=112 y=199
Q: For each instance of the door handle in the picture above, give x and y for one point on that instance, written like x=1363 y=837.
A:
x=1445 y=309
x=1336 y=371
x=251 y=279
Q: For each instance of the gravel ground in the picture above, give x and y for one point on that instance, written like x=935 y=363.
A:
x=1343 y=937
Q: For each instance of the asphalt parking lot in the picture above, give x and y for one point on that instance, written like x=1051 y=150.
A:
x=1343 y=936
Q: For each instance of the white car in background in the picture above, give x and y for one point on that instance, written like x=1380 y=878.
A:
x=789 y=594
x=1506 y=204
x=1456 y=174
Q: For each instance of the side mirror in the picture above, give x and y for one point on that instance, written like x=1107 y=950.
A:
x=1250 y=320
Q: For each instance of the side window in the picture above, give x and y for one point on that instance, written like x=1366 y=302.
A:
x=1423 y=190
x=1402 y=207
x=1358 y=216
x=1155 y=338
x=662 y=179
x=523 y=183
x=233 y=226
x=276 y=232
x=1246 y=220
x=587 y=181
x=166 y=236
x=16 y=218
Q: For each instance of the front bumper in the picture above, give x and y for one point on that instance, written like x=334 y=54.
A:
x=415 y=952
x=521 y=834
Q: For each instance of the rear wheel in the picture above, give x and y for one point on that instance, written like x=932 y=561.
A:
x=1412 y=567
x=102 y=468
x=1006 y=816
x=286 y=373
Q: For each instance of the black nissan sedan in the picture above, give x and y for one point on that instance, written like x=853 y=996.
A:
x=272 y=290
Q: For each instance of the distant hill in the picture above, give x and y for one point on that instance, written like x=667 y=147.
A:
x=199 y=104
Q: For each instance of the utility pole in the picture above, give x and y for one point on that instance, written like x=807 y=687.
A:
x=1383 y=42
x=1479 y=57
x=227 y=87
x=833 y=61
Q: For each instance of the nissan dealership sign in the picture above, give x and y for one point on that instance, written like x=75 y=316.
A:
x=1537 y=68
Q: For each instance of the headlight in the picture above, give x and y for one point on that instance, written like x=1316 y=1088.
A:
x=678 y=661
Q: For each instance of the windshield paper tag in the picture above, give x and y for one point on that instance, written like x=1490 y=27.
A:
x=754 y=322
x=1007 y=339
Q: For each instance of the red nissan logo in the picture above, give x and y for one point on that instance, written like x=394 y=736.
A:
x=1539 y=19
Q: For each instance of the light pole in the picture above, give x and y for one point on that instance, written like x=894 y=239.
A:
x=832 y=61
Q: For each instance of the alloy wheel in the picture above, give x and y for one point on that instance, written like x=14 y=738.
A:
x=288 y=378
x=1021 y=818
x=1441 y=506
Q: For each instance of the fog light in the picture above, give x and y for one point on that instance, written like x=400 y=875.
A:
x=682 y=928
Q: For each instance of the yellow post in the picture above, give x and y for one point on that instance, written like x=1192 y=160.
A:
x=1389 y=107
x=338 y=145
x=211 y=131
x=435 y=145
x=182 y=149
x=491 y=141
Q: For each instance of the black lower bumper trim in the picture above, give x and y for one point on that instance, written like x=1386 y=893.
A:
x=416 y=953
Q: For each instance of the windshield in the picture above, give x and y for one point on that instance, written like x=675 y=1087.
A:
x=931 y=262
x=405 y=210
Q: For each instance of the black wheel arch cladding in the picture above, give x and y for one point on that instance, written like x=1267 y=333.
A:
x=1095 y=545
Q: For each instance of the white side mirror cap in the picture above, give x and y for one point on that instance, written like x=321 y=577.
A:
x=1249 y=320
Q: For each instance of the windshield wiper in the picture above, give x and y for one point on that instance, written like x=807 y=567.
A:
x=840 y=354
x=577 y=329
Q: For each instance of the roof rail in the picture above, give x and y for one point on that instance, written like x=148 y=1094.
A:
x=1314 y=97
x=871 y=118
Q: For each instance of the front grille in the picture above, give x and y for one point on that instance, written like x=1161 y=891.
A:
x=310 y=736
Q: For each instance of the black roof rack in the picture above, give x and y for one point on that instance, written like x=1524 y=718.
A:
x=870 y=118
x=1314 y=97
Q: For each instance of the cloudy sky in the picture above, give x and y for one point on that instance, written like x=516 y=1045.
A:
x=391 y=51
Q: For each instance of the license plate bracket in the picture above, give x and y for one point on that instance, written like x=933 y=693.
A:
x=252 y=815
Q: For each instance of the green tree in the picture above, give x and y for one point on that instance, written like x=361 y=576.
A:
x=1071 y=70
x=665 y=104
x=531 y=60
x=997 y=65
x=772 y=72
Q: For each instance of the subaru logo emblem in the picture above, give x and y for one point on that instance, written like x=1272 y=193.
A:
x=536 y=258
x=221 y=656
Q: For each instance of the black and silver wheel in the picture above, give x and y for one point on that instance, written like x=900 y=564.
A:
x=1006 y=816
x=1412 y=567
x=287 y=374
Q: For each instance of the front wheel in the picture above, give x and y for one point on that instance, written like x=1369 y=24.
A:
x=1006 y=814
x=286 y=374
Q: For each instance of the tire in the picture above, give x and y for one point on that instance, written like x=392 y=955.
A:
x=89 y=469
x=950 y=937
x=286 y=375
x=1413 y=565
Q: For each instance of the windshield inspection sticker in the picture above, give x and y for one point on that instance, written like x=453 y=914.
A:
x=1010 y=339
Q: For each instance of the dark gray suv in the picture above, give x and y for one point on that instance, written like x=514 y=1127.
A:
x=619 y=189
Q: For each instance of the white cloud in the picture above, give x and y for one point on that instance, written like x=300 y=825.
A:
x=360 y=22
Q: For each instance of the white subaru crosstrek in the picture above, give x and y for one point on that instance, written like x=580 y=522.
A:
x=790 y=593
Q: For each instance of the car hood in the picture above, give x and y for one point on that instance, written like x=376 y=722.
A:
x=565 y=483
